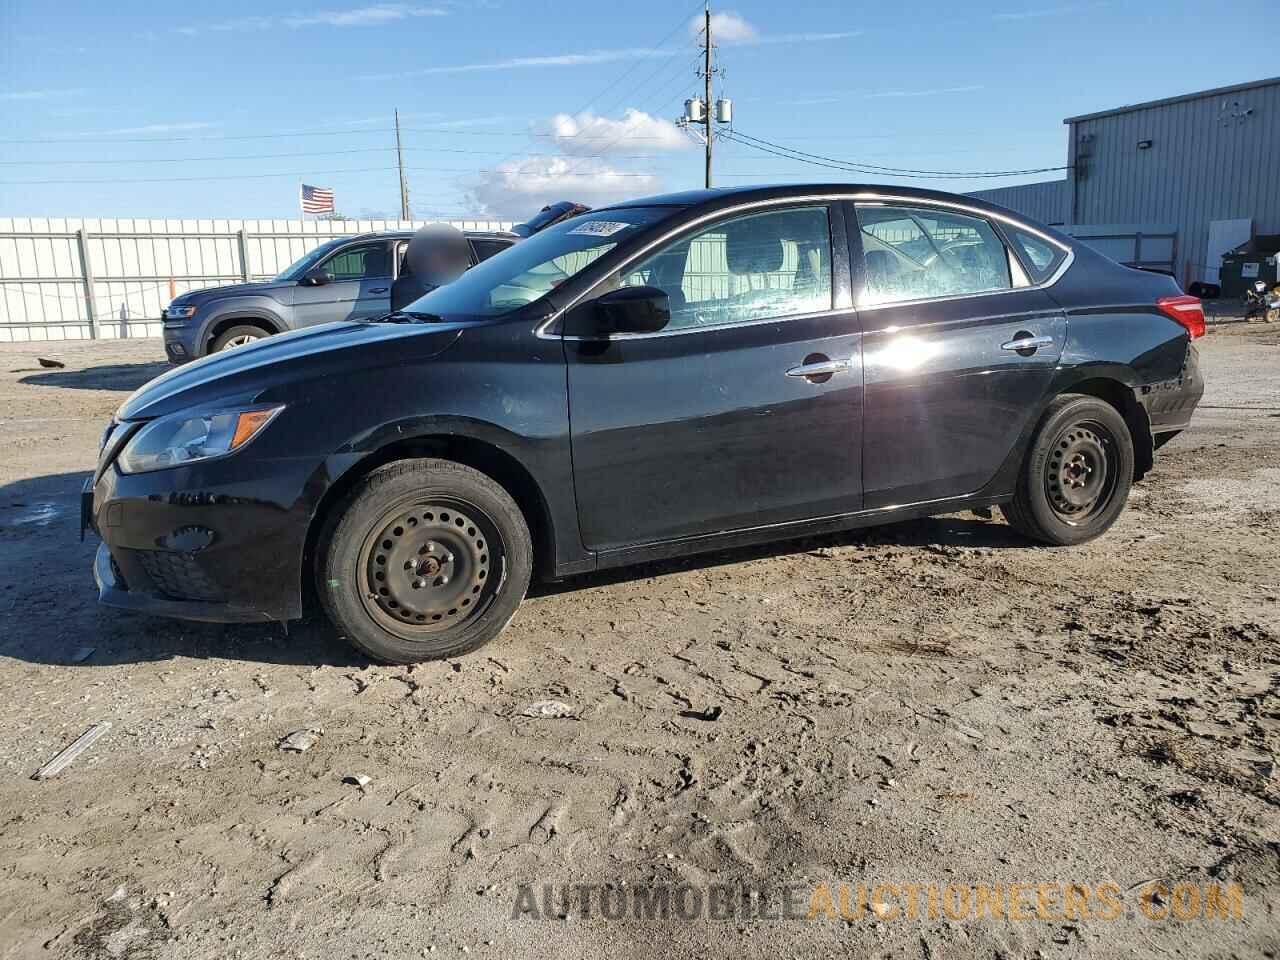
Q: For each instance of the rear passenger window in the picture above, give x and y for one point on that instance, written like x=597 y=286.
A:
x=1040 y=256
x=487 y=248
x=918 y=253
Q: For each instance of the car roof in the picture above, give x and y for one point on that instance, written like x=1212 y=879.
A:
x=406 y=234
x=729 y=197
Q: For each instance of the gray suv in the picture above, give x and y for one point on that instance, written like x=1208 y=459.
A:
x=345 y=279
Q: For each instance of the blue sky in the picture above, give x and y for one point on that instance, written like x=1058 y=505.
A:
x=221 y=110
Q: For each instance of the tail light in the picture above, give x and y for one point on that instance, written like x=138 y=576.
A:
x=1187 y=311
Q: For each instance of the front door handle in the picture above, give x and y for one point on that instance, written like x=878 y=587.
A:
x=819 y=369
x=1028 y=343
x=379 y=289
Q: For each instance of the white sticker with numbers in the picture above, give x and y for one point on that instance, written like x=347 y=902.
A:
x=598 y=228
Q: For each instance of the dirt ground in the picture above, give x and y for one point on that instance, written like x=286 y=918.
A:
x=933 y=702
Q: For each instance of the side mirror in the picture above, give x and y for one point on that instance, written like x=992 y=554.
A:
x=632 y=310
x=316 y=277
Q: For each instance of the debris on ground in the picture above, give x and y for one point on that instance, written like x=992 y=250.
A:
x=549 y=710
x=358 y=779
x=710 y=714
x=50 y=364
x=65 y=758
x=300 y=741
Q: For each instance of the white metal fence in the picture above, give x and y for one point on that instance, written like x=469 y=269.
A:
x=63 y=279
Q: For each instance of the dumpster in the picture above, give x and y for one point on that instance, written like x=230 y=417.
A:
x=1249 y=263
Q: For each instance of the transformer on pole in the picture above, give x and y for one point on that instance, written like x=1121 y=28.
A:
x=705 y=111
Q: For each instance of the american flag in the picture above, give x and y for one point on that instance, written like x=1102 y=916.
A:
x=317 y=199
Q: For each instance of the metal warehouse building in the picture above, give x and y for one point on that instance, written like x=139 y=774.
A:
x=1171 y=183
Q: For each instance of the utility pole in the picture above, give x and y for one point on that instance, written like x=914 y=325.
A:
x=404 y=186
x=706 y=75
x=704 y=111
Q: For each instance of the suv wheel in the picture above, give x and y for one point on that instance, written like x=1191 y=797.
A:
x=424 y=559
x=1077 y=474
x=237 y=336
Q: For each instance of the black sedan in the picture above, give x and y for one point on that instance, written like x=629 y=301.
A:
x=670 y=375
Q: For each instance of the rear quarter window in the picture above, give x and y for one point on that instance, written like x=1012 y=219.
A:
x=1040 y=257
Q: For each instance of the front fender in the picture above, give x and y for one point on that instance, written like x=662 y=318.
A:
x=260 y=309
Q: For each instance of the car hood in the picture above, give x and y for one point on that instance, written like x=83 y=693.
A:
x=286 y=364
x=234 y=290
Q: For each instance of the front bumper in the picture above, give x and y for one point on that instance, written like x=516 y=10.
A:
x=180 y=341
x=220 y=541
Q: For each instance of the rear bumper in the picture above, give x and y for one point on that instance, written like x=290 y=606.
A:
x=1171 y=403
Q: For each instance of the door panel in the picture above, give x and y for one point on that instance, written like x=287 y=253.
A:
x=708 y=425
x=699 y=433
x=944 y=402
x=947 y=393
x=361 y=286
x=329 y=301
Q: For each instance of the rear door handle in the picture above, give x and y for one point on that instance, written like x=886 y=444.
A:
x=1026 y=343
x=820 y=368
x=379 y=289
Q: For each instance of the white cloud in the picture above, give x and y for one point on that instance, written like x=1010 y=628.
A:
x=1036 y=14
x=519 y=188
x=512 y=63
x=588 y=133
x=591 y=57
x=27 y=95
x=375 y=14
x=153 y=128
x=938 y=91
x=726 y=27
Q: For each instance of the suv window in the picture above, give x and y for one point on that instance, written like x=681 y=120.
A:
x=484 y=249
x=1040 y=256
x=914 y=253
x=772 y=264
x=360 y=262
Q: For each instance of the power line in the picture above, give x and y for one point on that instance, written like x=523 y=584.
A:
x=367 y=131
x=281 y=156
x=815 y=159
x=292 y=173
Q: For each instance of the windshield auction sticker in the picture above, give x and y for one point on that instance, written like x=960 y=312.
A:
x=598 y=228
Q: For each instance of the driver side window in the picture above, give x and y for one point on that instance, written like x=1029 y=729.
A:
x=754 y=267
x=361 y=262
x=916 y=253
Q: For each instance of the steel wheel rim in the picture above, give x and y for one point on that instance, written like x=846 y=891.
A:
x=429 y=565
x=1080 y=474
x=240 y=341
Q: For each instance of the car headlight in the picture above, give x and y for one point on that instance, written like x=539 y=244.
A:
x=180 y=439
x=182 y=311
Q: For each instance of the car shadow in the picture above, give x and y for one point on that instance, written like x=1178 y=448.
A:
x=125 y=377
x=49 y=612
x=969 y=531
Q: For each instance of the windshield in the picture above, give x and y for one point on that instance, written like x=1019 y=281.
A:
x=296 y=269
x=534 y=267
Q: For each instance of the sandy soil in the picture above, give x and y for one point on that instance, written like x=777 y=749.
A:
x=930 y=702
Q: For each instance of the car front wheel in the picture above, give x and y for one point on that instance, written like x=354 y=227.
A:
x=1077 y=474
x=237 y=336
x=425 y=559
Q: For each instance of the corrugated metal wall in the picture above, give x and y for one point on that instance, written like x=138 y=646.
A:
x=133 y=265
x=1215 y=157
x=1045 y=200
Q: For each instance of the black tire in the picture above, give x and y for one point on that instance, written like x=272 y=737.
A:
x=424 y=559
x=1077 y=474
x=237 y=336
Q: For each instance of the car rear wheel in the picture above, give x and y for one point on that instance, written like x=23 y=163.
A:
x=424 y=559
x=237 y=336
x=1077 y=474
